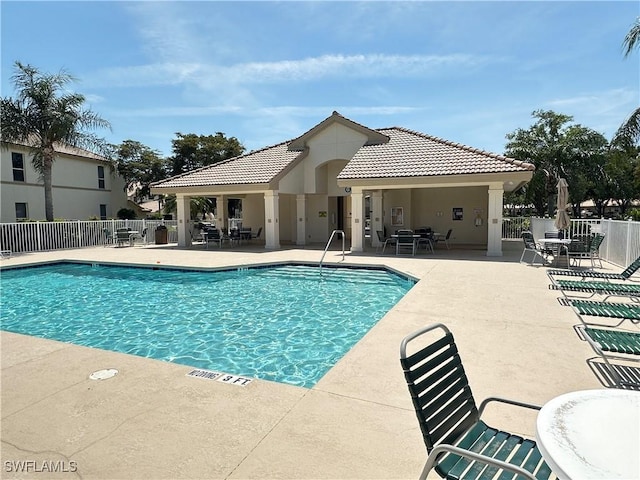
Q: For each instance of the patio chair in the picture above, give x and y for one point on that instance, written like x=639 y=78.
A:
x=594 y=249
x=108 y=237
x=426 y=238
x=579 y=248
x=384 y=241
x=626 y=274
x=608 y=289
x=141 y=237
x=213 y=236
x=530 y=245
x=443 y=238
x=5 y=253
x=456 y=438
x=613 y=344
x=123 y=237
x=257 y=235
x=405 y=240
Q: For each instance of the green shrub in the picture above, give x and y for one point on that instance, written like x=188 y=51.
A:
x=126 y=214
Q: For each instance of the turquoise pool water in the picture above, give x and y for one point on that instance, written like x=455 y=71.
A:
x=288 y=324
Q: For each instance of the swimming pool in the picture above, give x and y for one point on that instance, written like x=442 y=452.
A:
x=286 y=323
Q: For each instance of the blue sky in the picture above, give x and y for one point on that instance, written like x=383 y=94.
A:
x=265 y=72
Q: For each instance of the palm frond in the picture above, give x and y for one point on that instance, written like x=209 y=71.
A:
x=632 y=40
x=629 y=131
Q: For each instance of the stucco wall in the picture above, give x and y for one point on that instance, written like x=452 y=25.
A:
x=75 y=188
x=253 y=212
x=433 y=207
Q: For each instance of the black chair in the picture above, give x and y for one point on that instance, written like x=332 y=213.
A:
x=108 y=237
x=212 y=235
x=142 y=237
x=443 y=238
x=123 y=237
x=458 y=441
x=406 y=240
x=426 y=238
x=530 y=245
x=257 y=235
x=384 y=241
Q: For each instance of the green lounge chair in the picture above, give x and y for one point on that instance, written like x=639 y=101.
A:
x=607 y=289
x=621 y=311
x=456 y=438
x=624 y=275
x=613 y=344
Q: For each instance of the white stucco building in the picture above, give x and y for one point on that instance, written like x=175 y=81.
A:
x=84 y=186
x=340 y=172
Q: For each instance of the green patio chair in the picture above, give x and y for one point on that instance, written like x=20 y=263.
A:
x=613 y=344
x=624 y=275
x=457 y=440
x=608 y=289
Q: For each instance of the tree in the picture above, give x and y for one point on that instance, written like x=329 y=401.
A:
x=621 y=168
x=43 y=115
x=629 y=131
x=139 y=166
x=558 y=149
x=193 y=151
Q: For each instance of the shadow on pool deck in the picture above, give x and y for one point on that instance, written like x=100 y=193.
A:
x=152 y=421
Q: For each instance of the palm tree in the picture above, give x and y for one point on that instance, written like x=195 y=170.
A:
x=629 y=131
x=45 y=114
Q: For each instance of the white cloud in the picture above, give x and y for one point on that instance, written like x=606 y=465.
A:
x=286 y=71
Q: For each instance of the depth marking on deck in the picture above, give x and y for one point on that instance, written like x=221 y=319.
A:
x=220 y=377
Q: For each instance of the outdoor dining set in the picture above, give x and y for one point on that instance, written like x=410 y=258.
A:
x=554 y=246
x=231 y=237
x=411 y=240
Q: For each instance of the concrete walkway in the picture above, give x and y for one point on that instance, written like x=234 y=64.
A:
x=151 y=421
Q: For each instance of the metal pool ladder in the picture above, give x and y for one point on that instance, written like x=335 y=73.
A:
x=329 y=243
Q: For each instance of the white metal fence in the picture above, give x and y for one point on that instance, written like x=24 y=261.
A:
x=621 y=244
x=45 y=236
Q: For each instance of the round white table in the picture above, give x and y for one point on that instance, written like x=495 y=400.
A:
x=591 y=434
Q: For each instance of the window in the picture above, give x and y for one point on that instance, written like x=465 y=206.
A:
x=101 y=176
x=22 y=212
x=103 y=211
x=18 y=166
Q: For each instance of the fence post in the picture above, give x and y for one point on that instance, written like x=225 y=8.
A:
x=628 y=249
x=39 y=236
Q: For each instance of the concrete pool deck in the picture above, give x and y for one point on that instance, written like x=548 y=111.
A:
x=152 y=421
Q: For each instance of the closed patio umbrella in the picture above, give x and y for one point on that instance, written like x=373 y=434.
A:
x=562 y=217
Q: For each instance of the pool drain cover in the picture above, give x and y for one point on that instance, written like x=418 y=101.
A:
x=103 y=374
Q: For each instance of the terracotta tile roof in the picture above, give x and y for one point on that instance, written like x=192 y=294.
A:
x=258 y=166
x=406 y=154
x=413 y=154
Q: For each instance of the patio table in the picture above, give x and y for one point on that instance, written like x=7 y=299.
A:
x=561 y=243
x=591 y=434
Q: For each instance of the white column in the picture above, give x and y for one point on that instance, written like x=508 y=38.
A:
x=183 y=204
x=376 y=217
x=357 y=220
x=494 y=219
x=301 y=222
x=271 y=220
x=221 y=213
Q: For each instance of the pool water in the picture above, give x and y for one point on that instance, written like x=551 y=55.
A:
x=288 y=324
